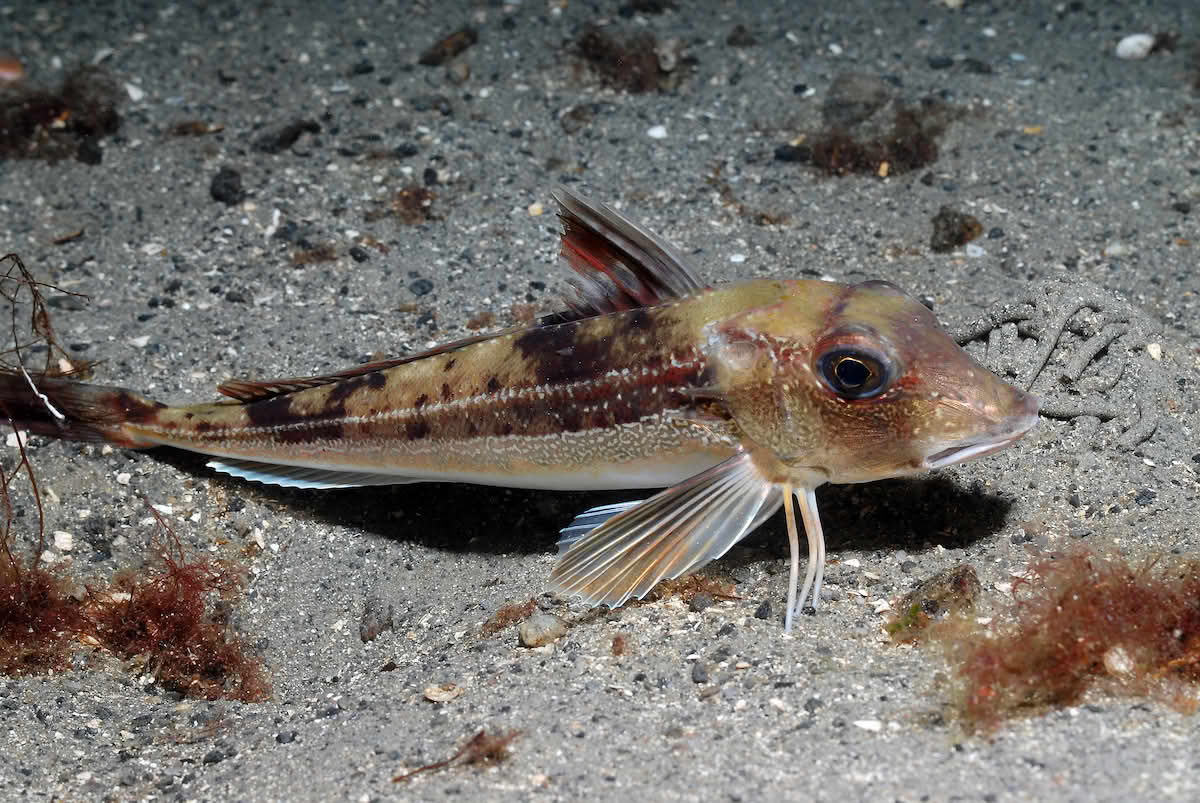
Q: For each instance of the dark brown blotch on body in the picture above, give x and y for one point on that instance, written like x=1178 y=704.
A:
x=133 y=409
x=565 y=352
x=341 y=391
x=416 y=429
x=572 y=351
x=640 y=320
x=287 y=426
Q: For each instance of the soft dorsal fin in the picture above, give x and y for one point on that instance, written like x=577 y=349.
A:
x=249 y=390
x=620 y=265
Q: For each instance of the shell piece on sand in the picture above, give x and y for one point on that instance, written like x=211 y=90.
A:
x=1135 y=47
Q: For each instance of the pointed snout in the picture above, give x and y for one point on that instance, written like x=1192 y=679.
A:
x=1001 y=413
x=1013 y=411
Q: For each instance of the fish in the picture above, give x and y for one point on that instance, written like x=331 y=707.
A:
x=737 y=399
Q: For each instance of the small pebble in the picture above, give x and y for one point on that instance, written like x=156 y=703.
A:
x=11 y=70
x=226 y=187
x=443 y=693
x=63 y=540
x=740 y=36
x=1118 y=662
x=793 y=153
x=953 y=229
x=701 y=601
x=458 y=72
x=541 y=629
x=657 y=132
x=1155 y=351
x=377 y=617
x=763 y=611
x=421 y=287
x=699 y=672
x=1135 y=47
x=831 y=593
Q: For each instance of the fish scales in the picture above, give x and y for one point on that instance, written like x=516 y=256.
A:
x=574 y=396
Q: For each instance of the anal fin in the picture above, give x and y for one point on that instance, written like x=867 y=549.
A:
x=303 y=476
x=589 y=520
x=676 y=531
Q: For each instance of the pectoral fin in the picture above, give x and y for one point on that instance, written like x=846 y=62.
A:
x=676 y=531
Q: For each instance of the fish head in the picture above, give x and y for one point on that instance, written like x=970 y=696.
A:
x=859 y=383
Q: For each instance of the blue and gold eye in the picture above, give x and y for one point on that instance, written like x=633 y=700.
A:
x=853 y=373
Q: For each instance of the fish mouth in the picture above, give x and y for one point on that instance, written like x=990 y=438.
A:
x=979 y=446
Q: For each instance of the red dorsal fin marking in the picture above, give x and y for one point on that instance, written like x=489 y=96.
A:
x=619 y=264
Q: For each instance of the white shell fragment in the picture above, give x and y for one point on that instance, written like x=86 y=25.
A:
x=443 y=693
x=541 y=629
x=1118 y=662
x=1135 y=47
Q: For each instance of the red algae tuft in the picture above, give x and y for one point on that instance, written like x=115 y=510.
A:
x=1083 y=620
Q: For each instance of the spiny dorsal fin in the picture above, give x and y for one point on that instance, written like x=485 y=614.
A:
x=249 y=390
x=620 y=265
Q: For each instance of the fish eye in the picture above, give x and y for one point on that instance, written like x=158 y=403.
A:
x=853 y=374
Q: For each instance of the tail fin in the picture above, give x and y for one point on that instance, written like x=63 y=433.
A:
x=77 y=411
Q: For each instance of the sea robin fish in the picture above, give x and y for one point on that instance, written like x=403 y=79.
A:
x=738 y=398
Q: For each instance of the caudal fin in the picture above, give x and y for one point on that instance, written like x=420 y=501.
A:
x=77 y=411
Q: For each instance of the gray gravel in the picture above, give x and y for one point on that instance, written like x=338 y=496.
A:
x=197 y=254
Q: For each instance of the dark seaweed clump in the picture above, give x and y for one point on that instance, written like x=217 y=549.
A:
x=63 y=123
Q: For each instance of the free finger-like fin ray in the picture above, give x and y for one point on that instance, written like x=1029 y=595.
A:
x=807 y=499
x=676 y=531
